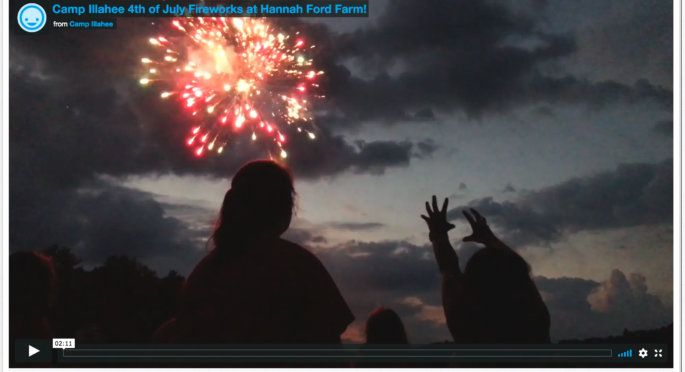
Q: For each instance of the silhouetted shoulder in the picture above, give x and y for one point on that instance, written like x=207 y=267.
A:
x=325 y=304
x=297 y=251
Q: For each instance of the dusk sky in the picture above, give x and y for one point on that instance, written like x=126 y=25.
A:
x=554 y=119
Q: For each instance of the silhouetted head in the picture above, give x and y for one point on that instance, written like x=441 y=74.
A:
x=259 y=204
x=32 y=283
x=384 y=326
x=502 y=302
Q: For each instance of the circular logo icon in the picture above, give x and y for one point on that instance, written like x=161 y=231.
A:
x=31 y=17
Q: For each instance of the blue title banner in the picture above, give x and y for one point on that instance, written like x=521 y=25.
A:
x=209 y=8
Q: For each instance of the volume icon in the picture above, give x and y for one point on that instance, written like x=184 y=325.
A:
x=626 y=354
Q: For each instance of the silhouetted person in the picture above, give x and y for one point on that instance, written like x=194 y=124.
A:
x=32 y=287
x=495 y=300
x=254 y=287
x=383 y=327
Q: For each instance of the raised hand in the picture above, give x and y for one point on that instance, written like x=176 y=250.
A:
x=437 y=219
x=481 y=231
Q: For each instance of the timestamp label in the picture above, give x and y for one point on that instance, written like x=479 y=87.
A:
x=63 y=343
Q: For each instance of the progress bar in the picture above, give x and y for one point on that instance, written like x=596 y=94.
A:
x=337 y=353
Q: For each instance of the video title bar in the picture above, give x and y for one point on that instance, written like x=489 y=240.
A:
x=207 y=8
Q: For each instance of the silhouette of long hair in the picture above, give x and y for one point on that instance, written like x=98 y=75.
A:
x=502 y=300
x=384 y=326
x=261 y=201
x=32 y=282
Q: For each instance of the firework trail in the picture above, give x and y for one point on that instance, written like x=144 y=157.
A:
x=235 y=77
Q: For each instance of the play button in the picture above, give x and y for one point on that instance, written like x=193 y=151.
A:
x=33 y=351
x=39 y=351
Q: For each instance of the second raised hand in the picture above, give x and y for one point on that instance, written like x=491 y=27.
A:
x=481 y=231
x=437 y=218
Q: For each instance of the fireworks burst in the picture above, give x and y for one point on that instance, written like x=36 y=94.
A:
x=235 y=76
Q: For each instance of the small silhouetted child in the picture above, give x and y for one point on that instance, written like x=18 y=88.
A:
x=383 y=327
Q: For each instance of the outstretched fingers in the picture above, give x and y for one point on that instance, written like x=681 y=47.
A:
x=435 y=205
x=479 y=218
x=444 y=206
x=469 y=218
x=428 y=210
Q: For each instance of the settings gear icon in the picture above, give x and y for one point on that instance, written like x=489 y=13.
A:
x=643 y=353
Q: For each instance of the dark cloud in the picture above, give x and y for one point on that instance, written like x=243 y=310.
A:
x=567 y=293
x=356 y=226
x=544 y=111
x=374 y=155
x=124 y=222
x=303 y=237
x=424 y=115
x=583 y=308
x=425 y=149
x=664 y=128
x=196 y=216
x=461 y=194
x=105 y=220
x=636 y=40
x=332 y=155
x=509 y=188
x=597 y=95
x=520 y=224
x=456 y=197
x=630 y=195
x=470 y=56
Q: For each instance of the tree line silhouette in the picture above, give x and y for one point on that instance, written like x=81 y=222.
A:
x=121 y=301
